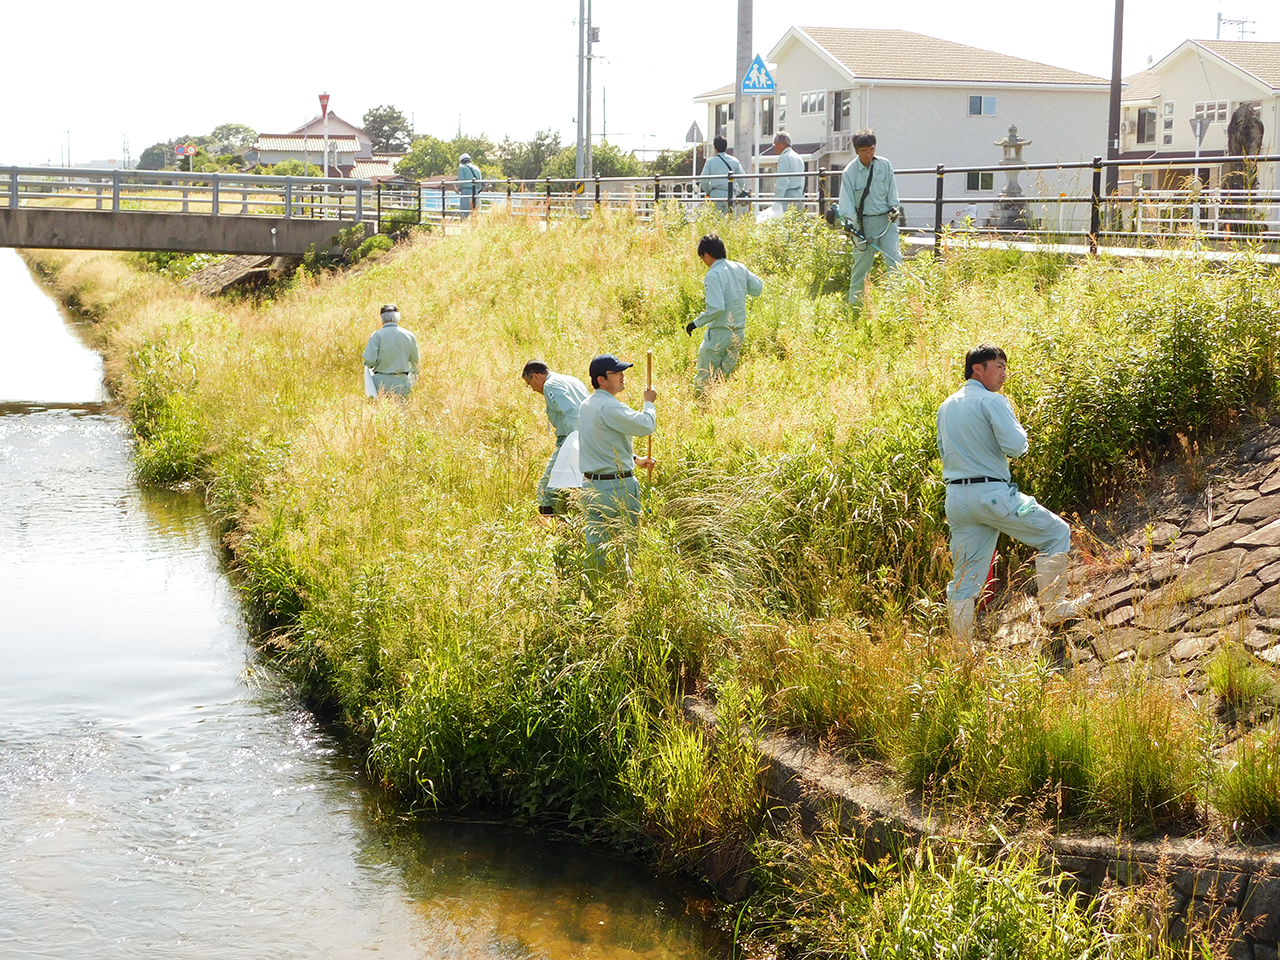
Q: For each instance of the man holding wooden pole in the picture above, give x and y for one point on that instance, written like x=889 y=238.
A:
x=610 y=492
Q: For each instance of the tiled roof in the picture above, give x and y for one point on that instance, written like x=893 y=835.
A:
x=903 y=55
x=292 y=144
x=1260 y=58
x=1141 y=86
x=382 y=165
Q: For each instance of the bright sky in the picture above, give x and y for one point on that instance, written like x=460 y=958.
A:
x=99 y=77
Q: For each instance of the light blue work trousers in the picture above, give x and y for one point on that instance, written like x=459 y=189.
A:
x=718 y=355
x=551 y=497
x=863 y=257
x=611 y=509
x=397 y=383
x=977 y=514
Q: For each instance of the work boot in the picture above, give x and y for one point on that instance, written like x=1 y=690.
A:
x=961 y=614
x=1051 y=578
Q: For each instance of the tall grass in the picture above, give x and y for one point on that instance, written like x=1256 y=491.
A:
x=793 y=540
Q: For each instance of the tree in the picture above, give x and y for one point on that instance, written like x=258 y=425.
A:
x=606 y=160
x=481 y=149
x=232 y=138
x=428 y=157
x=524 y=160
x=295 y=168
x=672 y=163
x=388 y=129
x=155 y=157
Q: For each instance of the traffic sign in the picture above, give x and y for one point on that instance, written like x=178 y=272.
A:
x=758 y=79
x=694 y=135
x=180 y=150
x=191 y=150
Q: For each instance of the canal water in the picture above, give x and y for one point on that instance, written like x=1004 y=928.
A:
x=160 y=796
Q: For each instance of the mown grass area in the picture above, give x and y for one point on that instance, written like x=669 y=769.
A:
x=793 y=551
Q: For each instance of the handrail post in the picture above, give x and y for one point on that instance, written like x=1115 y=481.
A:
x=418 y=196
x=13 y=188
x=937 y=214
x=728 y=199
x=822 y=193
x=548 y=199
x=360 y=203
x=214 y=200
x=597 y=189
x=657 y=192
x=442 y=205
x=1095 y=211
x=288 y=198
x=379 y=192
x=115 y=191
x=508 y=194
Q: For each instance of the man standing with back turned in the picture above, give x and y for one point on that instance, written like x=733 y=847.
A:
x=869 y=203
x=564 y=395
x=610 y=493
x=977 y=434
x=391 y=354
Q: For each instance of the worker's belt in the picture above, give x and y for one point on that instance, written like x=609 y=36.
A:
x=391 y=374
x=978 y=480
x=609 y=476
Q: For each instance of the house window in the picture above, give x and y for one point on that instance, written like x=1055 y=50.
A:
x=980 y=180
x=1143 y=181
x=782 y=111
x=813 y=102
x=724 y=113
x=1147 y=125
x=1168 y=139
x=766 y=116
x=980 y=106
x=1214 y=111
x=840 y=110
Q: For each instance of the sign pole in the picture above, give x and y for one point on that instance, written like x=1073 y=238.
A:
x=648 y=385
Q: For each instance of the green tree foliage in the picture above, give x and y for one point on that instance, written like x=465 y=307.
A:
x=387 y=128
x=155 y=157
x=232 y=138
x=524 y=159
x=672 y=163
x=606 y=159
x=432 y=157
x=295 y=168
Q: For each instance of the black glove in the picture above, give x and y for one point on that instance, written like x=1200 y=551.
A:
x=690 y=328
x=831 y=215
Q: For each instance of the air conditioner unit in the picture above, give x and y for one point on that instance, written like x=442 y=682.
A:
x=1128 y=126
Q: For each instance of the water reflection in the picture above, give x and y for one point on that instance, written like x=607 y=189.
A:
x=153 y=804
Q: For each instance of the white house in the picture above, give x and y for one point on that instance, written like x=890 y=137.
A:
x=272 y=148
x=1206 y=79
x=929 y=101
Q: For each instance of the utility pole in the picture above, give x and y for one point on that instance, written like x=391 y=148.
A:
x=582 y=63
x=593 y=35
x=1113 y=118
x=742 y=131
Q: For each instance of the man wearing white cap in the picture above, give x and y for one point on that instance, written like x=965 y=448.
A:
x=392 y=354
x=470 y=184
x=610 y=492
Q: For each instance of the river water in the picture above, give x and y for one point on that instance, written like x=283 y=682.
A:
x=161 y=797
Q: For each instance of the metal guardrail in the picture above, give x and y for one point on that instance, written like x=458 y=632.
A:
x=209 y=194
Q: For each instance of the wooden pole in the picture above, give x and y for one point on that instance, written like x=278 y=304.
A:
x=648 y=385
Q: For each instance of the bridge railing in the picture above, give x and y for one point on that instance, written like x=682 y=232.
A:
x=207 y=194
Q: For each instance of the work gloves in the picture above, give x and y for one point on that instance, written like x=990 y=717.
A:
x=690 y=327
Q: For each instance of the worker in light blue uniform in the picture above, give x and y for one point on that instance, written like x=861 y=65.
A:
x=715 y=175
x=788 y=186
x=977 y=434
x=869 y=203
x=470 y=184
x=563 y=395
x=728 y=284
x=392 y=354
x=610 y=492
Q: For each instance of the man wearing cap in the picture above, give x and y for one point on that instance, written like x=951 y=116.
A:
x=610 y=492
x=788 y=186
x=727 y=284
x=470 y=183
x=563 y=395
x=392 y=354
x=977 y=434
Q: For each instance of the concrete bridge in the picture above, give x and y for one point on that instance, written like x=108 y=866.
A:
x=74 y=208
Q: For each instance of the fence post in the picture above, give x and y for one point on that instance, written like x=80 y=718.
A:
x=548 y=199
x=379 y=193
x=13 y=187
x=288 y=198
x=115 y=191
x=728 y=197
x=360 y=202
x=822 y=193
x=937 y=214
x=418 y=196
x=657 y=192
x=214 y=201
x=508 y=194
x=1095 y=209
x=597 y=189
x=442 y=205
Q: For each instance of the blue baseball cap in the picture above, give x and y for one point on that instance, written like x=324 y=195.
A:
x=606 y=363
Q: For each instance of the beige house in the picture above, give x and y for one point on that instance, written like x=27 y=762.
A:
x=1205 y=79
x=929 y=101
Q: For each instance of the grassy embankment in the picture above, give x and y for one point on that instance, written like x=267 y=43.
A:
x=793 y=554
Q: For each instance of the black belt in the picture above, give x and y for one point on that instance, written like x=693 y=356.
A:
x=978 y=480
x=392 y=374
x=609 y=476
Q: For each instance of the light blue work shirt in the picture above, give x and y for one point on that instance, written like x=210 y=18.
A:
x=391 y=349
x=605 y=428
x=978 y=433
x=882 y=195
x=564 y=395
x=470 y=179
x=728 y=284
x=715 y=176
x=788 y=184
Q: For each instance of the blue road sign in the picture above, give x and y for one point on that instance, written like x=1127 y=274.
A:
x=758 y=79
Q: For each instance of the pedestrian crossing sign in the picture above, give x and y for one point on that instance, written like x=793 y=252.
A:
x=758 y=79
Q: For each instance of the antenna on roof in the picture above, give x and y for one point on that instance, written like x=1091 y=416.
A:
x=1235 y=23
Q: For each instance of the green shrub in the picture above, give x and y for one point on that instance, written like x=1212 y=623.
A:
x=1246 y=793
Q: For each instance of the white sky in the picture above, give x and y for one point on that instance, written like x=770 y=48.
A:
x=145 y=74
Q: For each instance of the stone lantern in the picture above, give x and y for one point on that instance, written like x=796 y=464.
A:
x=1010 y=211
